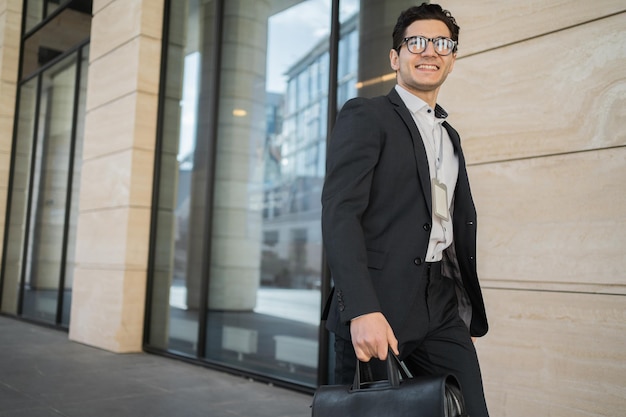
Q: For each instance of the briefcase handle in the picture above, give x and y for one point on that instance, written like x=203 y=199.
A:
x=396 y=372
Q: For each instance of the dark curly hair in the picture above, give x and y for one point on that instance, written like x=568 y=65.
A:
x=424 y=12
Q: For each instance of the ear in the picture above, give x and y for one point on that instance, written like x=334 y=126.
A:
x=394 y=60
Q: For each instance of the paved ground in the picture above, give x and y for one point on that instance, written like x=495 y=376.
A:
x=43 y=374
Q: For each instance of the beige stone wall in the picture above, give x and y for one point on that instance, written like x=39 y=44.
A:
x=539 y=97
x=10 y=25
x=116 y=185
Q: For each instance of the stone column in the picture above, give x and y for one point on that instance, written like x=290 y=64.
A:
x=116 y=184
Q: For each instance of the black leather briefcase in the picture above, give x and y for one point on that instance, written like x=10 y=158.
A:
x=401 y=395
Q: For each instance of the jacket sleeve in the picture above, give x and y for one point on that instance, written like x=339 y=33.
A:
x=353 y=152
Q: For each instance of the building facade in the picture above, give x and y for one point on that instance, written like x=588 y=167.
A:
x=161 y=163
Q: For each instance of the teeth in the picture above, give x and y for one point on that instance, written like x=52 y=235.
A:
x=432 y=67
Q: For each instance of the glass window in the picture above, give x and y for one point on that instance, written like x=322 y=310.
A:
x=264 y=299
x=263 y=280
x=348 y=52
x=24 y=143
x=69 y=28
x=184 y=173
x=38 y=10
x=49 y=191
x=261 y=152
x=38 y=269
x=290 y=105
x=68 y=277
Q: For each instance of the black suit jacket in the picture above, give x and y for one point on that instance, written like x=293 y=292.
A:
x=376 y=218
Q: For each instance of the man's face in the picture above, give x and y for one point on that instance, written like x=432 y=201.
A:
x=423 y=73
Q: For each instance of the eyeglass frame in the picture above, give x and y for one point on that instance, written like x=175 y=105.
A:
x=405 y=40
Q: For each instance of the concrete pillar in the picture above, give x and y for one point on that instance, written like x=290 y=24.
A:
x=116 y=181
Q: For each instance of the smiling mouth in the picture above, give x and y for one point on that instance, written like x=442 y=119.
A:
x=429 y=67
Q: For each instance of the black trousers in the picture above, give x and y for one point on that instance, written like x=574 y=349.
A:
x=440 y=343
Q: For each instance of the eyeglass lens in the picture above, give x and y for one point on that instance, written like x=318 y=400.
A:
x=417 y=44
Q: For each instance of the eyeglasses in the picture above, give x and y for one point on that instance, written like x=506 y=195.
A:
x=418 y=44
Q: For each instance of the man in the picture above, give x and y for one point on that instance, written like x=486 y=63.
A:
x=399 y=222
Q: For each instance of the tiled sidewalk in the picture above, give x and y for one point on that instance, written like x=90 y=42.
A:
x=44 y=374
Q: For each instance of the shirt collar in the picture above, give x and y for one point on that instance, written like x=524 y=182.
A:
x=416 y=104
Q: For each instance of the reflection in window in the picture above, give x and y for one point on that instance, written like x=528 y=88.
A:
x=49 y=192
x=348 y=60
x=68 y=279
x=69 y=28
x=38 y=10
x=263 y=280
x=177 y=273
x=264 y=285
x=37 y=275
x=14 y=255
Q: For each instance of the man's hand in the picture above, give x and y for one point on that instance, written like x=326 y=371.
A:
x=372 y=337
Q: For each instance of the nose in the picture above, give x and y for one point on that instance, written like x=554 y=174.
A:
x=430 y=49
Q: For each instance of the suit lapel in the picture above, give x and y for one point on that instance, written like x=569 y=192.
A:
x=462 y=179
x=454 y=138
x=421 y=160
x=456 y=143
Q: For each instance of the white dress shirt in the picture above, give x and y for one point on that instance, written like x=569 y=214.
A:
x=443 y=165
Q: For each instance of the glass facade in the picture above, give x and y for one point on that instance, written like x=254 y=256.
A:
x=248 y=93
x=37 y=263
x=237 y=245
